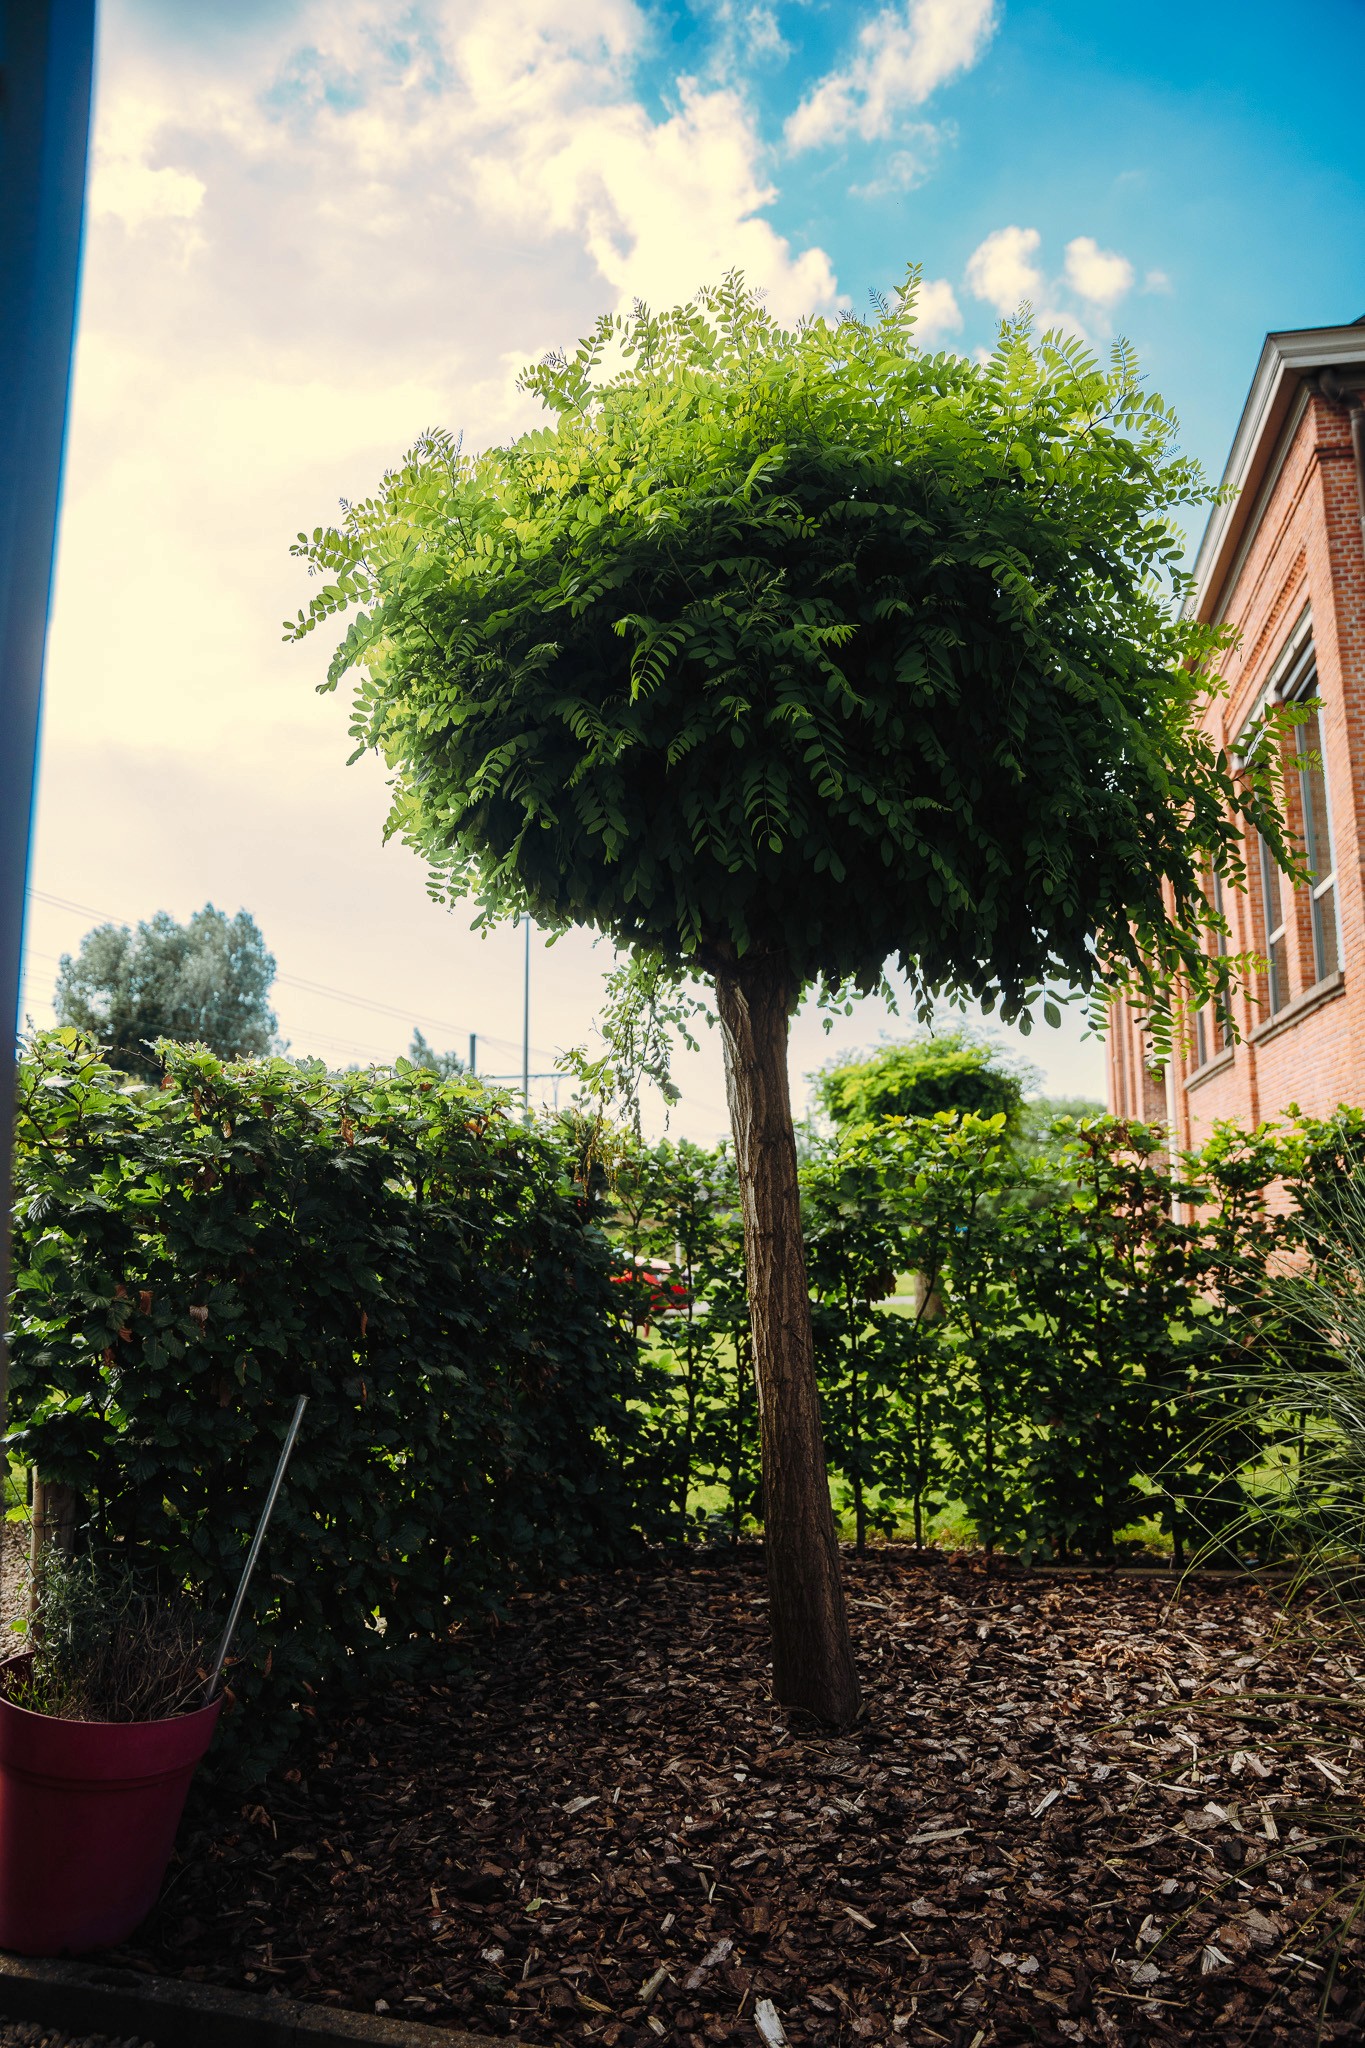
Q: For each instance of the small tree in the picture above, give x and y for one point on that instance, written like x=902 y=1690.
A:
x=946 y=1070
x=201 y=983
x=445 y=1065
x=776 y=653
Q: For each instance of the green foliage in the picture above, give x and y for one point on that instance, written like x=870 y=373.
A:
x=1060 y=1343
x=1048 y=1333
x=1061 y=1362
x=1045 y=1123
x=1304 y=1390
x=646 y=1009
x=201 y=983
x=812 y=643
x=1049 y=1337
x=190 y=1260
x=946 y=1070
x=674 y=1210
x=872 y=1361
x=1133 y=1291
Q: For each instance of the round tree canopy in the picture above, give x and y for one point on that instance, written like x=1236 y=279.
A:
x=811 y=643
x=921 y=1077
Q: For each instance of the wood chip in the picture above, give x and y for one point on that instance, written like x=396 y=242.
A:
x=433 y=1852
x=768 y=2023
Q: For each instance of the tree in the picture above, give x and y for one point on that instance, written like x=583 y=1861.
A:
x=202 y=983
x=777 y=653
x=947 y=1070
x=1046 y=1129
x=443 y=1064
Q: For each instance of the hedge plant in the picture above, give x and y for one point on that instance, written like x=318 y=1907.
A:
x=190 y=1259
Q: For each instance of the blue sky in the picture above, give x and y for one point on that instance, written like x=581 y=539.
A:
x=316 y=229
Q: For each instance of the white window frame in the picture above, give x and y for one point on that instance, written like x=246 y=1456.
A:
x=1293 y=677
x=1276 y=936
x=1324 y=914
x=1209 y=1043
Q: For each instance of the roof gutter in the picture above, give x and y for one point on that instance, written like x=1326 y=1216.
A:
x=1291 y=364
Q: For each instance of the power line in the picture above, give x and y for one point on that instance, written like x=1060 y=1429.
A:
x=340 y=995
x=316 y=988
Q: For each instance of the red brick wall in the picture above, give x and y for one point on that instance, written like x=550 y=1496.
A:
x=1308 y=548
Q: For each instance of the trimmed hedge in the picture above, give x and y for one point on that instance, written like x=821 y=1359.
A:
x=1070 y=1356
x=188 y=1260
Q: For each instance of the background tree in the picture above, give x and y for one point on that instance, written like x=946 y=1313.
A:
x=445 y=1065
x=945 y=1070
x=777 y=653
x=1044 y=1129
x=202 y=983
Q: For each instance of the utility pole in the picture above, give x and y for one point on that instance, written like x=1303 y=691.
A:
x=526 y=1024
x=473 y=1054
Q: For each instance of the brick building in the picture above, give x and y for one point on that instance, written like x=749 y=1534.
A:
x=1284 y=561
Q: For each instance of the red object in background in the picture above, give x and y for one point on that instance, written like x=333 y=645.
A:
x=88 y=1815
x=660 y=1294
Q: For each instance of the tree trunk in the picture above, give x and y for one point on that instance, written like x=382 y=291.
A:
x=813 y=1667
x=54 y=1526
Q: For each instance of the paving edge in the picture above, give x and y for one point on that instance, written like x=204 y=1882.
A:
x=86 y=1998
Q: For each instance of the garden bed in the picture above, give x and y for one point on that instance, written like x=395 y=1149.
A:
x=1072 y=1813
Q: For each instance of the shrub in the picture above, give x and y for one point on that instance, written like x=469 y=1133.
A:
x=1059 y=1364
x=396 y=1247
x=945 y=1070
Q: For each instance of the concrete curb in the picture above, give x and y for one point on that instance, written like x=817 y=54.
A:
x=92 y=1998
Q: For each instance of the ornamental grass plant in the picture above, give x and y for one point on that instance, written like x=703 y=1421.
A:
x=1305 y=1388
x=108 y=1643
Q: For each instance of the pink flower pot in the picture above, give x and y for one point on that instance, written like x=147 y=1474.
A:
x=88 y=1814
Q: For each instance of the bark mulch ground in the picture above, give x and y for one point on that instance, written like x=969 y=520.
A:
x=1072 y=1813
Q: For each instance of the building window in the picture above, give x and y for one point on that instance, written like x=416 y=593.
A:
x=1222 y=1031
x=1275 y=931
x=1317 y=839
x=1211 y=1031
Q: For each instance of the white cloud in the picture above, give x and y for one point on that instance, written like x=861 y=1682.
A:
x=937 y=311
x=1056 y=318
x=136 y=193
x=1004 y=271
x=910 y=164
x=746 y=33
x=345 y=237
x=661 y=206
x=903 y=55
x=1157 y=281
x=1001 y=269
x=125 y=185
x=1100 y=275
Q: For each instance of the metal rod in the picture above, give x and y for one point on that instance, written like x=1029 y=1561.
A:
x=473 y=1053
x=255 y=1550
x=526 y=1023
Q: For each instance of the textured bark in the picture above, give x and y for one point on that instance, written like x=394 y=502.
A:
x=813 y=1667
x=54 y=1525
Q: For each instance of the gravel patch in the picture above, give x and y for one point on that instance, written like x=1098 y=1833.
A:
x=33 y=2034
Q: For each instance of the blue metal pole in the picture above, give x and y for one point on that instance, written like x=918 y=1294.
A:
x=46 y=61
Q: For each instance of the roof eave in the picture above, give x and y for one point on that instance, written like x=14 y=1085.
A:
x=1287 y=358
